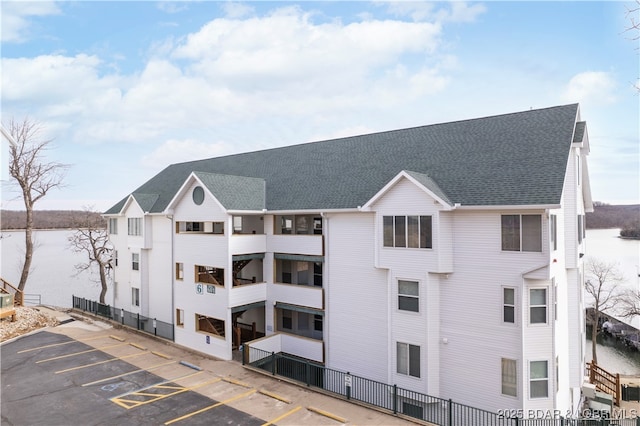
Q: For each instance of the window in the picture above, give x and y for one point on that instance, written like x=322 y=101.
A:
x=180 y=317
x=538 y=306
x=113 y=225
x=209 y=325
x=522 y=232
x=237 y=224
x=553 y=234
x=317 y=322
x=407 y=231
x=135 y=225
x=509 y=377
x=538 y=379
x=179 y=271
x=135 y=261
x=298 y=224
x=408 y=296
x=408 y=359
x=287 y=319
x=200 y=227
x=135 y=296
x=413 y=410
x=509 y=305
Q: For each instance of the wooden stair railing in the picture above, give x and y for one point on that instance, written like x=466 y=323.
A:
x=18 y=298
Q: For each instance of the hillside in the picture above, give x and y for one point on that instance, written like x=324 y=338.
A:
x=42 y=219
x=604 y=216
x=609 y=216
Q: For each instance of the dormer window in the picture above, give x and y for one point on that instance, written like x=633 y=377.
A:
x=407 y=231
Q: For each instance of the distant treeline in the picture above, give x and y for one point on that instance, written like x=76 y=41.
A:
x=608 y=216
x=43 y=219
x=604 y=216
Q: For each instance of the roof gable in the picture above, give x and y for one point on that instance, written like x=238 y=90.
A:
x=422 y=181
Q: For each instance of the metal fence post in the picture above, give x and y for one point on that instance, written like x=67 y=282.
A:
x=273 y=363
x=308 y=372
x=138 y=322
x=395 y=399
x=347 y=382
x=450 y=409
x=155 y=329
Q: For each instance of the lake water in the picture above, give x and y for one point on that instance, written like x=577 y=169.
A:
x=53 y=277
x=53 y=274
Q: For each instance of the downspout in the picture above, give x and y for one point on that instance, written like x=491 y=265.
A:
x=325 y=286
x=171 y=275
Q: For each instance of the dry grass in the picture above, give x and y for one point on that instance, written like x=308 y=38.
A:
x=27 y=319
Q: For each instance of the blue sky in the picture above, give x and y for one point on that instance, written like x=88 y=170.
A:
x=126 y=88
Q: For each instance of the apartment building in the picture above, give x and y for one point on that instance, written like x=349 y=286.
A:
x=446 y=259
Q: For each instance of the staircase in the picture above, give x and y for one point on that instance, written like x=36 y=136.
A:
x=7 y=288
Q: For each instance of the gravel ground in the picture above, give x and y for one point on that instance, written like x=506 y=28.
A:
x=27 y=319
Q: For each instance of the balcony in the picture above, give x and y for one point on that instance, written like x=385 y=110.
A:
x=247 y=294
x=297 y=295
x=311 y=245
x=247 y=243
x=298 y=346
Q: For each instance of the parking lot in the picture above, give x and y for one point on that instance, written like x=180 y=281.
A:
x=87 y=375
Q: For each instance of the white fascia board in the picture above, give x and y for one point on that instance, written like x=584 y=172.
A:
x=183 y=189
x=180 y=191
x=130 y=199
x=241 y=212
x=511 y=207
x=394 y=181
x=314 y=211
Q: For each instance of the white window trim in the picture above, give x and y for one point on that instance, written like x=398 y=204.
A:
x=546 y=305
x=419 y=296
x=515 y=306
x=548 y=379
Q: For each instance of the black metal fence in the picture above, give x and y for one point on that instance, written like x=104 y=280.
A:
x=130 y=319
x=397 y=400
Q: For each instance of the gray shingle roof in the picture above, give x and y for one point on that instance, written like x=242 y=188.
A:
x=430 y=184
x=510 y=159
x=235 y=192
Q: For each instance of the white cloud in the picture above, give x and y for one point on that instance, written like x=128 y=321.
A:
x=172 y=7
x=16 y=26
x=282 y=69
x=591 y=87
x=455 y=11
x=237 y=10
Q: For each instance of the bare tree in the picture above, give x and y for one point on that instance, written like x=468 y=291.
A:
x=602 y=285
x=633 y=27
x=91 y=238
x=34 y=176
x=629 y=303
